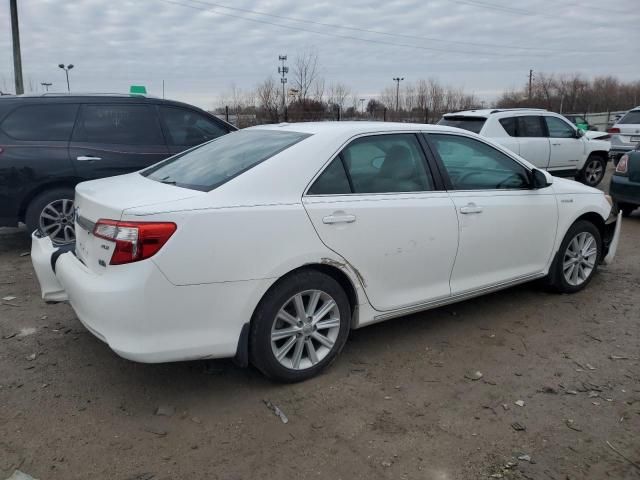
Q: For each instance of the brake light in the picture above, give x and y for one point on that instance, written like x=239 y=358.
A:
x=623 y=165
x=134 y=241
x=613 y=130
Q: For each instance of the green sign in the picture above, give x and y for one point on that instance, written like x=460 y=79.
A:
x=138 y=90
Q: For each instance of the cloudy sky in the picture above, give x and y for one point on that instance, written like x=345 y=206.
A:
x=201 y=47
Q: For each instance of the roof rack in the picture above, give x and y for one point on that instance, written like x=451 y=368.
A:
x=497 y=110
x=93 y=94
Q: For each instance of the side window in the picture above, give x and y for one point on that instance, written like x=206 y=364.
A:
x=530 y=126
x=118 y=124
x=187 y=128
x=509 y=125
x=387 y=163
x=333 y=181
x=559 y=128
x=474 y=165
x=52 y=122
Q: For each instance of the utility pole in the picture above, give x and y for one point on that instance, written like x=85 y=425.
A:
x=283 y=70
x=17 y=59
x=398 y=80
x=530 y=82
x=46 y=85
x=163 y=89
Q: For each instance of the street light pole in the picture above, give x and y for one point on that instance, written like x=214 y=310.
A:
x=398 y=80
x=46 y=85
x=362 y=104
x=17 y=59
x=66 y=71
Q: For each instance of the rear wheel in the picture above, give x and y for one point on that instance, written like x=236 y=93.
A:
x=300 y=326
x=52 y=213
x=577 y=259
x=593 y=170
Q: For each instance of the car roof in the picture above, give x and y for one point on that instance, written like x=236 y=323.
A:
x=86 y=97
x=355 y=127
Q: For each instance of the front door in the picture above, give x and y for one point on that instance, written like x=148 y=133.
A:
x=507 y=230
x=112 y=139
x=377 y=206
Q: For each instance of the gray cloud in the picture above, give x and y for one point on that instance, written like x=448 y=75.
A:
x=200 y=50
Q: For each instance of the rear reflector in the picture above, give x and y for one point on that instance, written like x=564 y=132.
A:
x=135 y=241
x=613 y=130
x=623 y=165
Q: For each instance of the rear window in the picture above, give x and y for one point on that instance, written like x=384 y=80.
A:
x=214 y=163
x=41 y=122
x=632 y=117
x=473 y=124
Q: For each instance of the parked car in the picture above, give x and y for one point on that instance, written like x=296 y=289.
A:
x=544 y=138
x=51 y=142
x=625 y=134
x=625 y=182
x=271 y=243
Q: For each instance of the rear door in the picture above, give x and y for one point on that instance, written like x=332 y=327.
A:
x=533 y=141
x=566 y=150
x=116 y=138
x=185 y=128
x=378 y=206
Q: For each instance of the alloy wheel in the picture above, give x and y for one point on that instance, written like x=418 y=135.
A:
x=594 y=171
x=56 y=221
x=305 y=329
x=580 y=258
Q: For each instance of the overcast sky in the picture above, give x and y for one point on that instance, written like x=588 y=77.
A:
x=200 y=48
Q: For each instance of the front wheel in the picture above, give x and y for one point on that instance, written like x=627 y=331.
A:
x=299 y=327
x=593 y=171
x=577 y=259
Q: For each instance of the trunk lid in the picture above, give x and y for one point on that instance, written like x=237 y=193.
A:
x=107 y=198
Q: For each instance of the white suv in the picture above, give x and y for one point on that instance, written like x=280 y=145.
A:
x=544 y=138
x=625 y=134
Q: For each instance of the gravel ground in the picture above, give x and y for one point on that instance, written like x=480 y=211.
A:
x=402 y=401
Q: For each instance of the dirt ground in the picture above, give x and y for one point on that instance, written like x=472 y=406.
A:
x=402 y=401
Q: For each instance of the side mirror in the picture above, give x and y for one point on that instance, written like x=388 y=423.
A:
x=579 y=133
x=539 y=179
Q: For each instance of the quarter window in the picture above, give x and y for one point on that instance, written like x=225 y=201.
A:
x=377 y=164
x=41 y=122
x=118 y=124
x=187 y=128
x=509 y=125
x=474 y=165
x=559 y=128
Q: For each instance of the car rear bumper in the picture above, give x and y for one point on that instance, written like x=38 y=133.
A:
x=623 y=190
x=140 y=314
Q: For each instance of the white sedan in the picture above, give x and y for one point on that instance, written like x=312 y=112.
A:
x=271 y=243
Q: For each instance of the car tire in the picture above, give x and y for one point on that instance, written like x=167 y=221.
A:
x=284 y=346
x=627 y=208
x=58 y=203
x=593 y=171
x=577 y=251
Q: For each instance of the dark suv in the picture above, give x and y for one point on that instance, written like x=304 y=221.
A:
x=49 y=143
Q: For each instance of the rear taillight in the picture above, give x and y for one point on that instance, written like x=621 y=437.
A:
x=613 y=130
x=134 y=240
x=623 y=165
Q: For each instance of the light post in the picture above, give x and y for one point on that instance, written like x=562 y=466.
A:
x=66 y=70
x=46 y=85
x=398 y=80
x=362 y=100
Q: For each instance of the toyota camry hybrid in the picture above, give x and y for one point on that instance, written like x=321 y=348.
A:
x=271 y=243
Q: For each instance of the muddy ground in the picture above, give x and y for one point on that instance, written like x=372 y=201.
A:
x=396 y=404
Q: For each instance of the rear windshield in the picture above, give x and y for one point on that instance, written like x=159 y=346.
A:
x=214 y=163
x=632 y=117
x=473 y=124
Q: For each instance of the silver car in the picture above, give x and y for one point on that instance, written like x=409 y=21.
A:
x=625 y=134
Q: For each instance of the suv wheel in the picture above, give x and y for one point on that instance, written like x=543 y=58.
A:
x=299 y=327
x=51 y=212
x=593 y=171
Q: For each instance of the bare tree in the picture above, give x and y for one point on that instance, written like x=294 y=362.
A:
x=269 y=98
x=337 y=94
x=305 y=73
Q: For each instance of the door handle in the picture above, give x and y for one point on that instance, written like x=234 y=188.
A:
x=470 y=208
x=556 y=144
x=87 y=158
x=339 y=218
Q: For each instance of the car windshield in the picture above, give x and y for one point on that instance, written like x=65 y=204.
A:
x=214 y=163
x=473 y=124
x=632 y=117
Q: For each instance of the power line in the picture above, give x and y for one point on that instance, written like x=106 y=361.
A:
x=351 y=37
x=376 y=32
